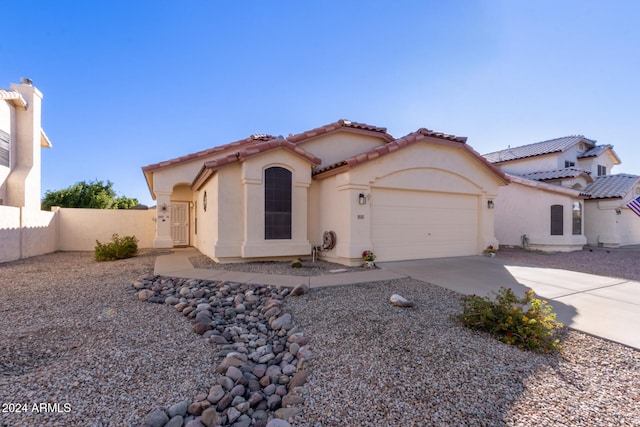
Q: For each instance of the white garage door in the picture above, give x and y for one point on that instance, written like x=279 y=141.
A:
x=420 y=224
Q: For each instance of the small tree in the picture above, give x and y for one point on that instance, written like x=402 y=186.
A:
x=92 y=194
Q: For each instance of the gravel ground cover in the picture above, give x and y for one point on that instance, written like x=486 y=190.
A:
x=71 y=334
x=381 y=365
x=618 y=262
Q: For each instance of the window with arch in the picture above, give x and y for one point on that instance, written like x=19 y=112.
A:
x=277 y=203
x=557 y=226
x=576 y=215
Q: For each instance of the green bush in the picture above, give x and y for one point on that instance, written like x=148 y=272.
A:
x=505 y=317
x=119 y=248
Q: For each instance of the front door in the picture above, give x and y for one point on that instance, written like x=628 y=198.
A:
x=180 y=223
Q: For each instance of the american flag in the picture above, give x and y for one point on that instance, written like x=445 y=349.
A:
x=634 y=205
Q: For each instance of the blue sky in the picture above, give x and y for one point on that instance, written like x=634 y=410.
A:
x=130 y=83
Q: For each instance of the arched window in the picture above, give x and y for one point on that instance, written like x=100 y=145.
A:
x=557 y=226
x=576 y=215
x=277 y=203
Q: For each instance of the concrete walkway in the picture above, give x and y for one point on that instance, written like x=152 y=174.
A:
x=602 y=306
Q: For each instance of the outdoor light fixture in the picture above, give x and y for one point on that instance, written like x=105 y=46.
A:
x=362 y=199
x=490 y=204
x=618 y=211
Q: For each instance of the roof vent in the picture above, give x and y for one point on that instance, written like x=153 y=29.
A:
x=26 y=81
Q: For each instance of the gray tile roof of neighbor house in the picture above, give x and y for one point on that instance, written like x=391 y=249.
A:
x=555 y=174
x=537 y=149
x=595 y=151
x=612 y=186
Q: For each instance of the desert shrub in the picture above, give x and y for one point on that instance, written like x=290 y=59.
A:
x=118 y=248
x=527 y=322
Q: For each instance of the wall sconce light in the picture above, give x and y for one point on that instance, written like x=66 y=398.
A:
x=618 y=211
x=362 y=199
x=490 y=204
x=163 y=207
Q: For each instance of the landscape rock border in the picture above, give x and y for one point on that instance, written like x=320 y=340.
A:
x=261 y=354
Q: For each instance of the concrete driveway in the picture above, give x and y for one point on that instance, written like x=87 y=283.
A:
x=602 y=306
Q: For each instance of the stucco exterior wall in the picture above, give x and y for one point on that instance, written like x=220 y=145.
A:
x=605 y=227
x=523 y=210
x=206 y=234
x=529 y=165
x=23 y=182
x=590 y=164
x=25 y=233
x=628 y=224
x=338 y=146
x=10 y=233
x=418 y=167
x=78 y=229
x=332 y=211
x=228 y=211
x=254 y=243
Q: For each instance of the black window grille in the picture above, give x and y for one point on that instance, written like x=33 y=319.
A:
x=277 y=203
x=557 y=226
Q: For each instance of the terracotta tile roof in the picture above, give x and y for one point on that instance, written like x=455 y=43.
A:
x=538 y=149
x=341 y=125
x=555 y=174
x=612 y=186
x=406 y=141
x=248 y=152
x=252 y=140
x=266 y=145
x=12 y=96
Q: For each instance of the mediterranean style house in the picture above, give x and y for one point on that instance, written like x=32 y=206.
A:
x=336 y=190
x=563 y=196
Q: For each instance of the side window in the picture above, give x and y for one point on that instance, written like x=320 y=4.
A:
x=277 y=203
x=4 y=149
x=568 y=164
x=557 y=226
x=576 y=215
x=602 y=170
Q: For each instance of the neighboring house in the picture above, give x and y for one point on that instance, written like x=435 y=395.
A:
x=25 y=230
x=342 y=189
x=565 y=196
x=609 y=222
x=21 y=138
